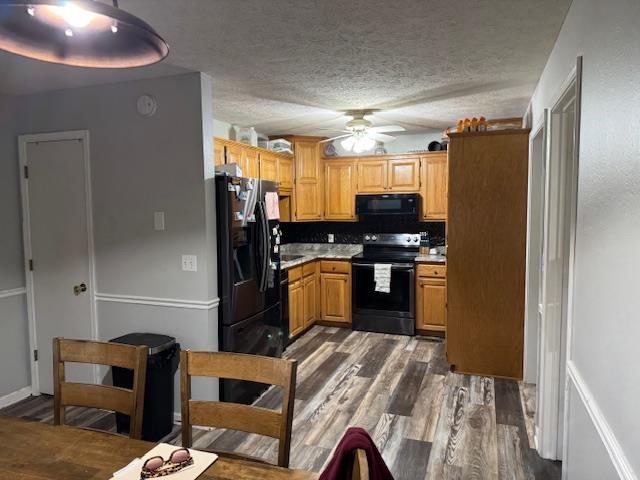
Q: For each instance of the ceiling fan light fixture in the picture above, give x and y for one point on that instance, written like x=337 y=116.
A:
x=102 y=36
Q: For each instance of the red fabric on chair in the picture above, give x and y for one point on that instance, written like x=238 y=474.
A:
x=339 y=468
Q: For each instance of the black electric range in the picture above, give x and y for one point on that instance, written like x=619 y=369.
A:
x=385 y=308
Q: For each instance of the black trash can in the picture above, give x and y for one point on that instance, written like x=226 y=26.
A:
x=162 y=363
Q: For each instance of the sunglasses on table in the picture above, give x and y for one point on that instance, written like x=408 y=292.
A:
x=156 y=467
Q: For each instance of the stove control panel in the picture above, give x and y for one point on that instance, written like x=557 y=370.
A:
x=392 y=239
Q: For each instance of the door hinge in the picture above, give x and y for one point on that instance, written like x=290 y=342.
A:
x=31 y=265
x=26 y=172
x=35 y=355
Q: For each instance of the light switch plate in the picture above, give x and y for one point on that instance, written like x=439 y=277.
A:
x=330 y=238
x=189 y=263
x=158 y=221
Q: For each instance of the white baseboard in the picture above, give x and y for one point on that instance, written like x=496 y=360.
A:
x=15 y=397
x=617 y=455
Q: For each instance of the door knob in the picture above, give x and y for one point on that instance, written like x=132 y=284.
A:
x=78 y=289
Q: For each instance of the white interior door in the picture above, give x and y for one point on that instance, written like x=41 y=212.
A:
x=558 y=232
x=58 y=233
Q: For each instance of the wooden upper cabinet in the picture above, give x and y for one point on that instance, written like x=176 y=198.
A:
x=250 y=162
x=372 y=176
x=268 y=166
x=404 y=174
x=308 y=180
x=307 y=161
x=434 y=186
x=307 y=206
x=233 y=154
x=339 y=190
x=285 y=172
x=218 y=152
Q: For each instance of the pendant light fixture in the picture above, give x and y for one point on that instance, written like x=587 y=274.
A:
x=82 y=33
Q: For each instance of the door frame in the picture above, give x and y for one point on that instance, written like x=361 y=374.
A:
x=556 y=341
x=23 y=140
x=535 y=208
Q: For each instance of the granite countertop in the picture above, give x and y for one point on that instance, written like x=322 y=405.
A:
x=431 y=258
x=316 y=251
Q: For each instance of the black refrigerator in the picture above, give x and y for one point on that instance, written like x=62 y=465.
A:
x=250 y=315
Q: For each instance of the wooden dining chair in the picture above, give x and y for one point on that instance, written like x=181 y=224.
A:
x=234 y=416
x=106 y=397
x=360 y=469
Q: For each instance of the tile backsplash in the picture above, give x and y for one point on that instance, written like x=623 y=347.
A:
x=352 y=232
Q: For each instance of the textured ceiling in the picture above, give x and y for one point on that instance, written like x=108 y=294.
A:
x=295 y=65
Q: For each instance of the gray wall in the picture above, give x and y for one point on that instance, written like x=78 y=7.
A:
x=14 y=333
x=606 y=303
x=140 y=165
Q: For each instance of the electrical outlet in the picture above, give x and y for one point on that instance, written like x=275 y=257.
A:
x=330 y=238
x=189 y=263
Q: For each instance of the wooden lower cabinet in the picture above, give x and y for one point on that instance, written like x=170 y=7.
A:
x=309 y=300
x=335 y=286
x=296 y=308
x=431 y=298
x=303 y=297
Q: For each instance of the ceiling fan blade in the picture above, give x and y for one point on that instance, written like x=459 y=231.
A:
x=334 y=138
x=380 y=137
x=387 y=128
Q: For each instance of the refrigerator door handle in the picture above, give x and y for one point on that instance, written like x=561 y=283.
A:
x=263 y=242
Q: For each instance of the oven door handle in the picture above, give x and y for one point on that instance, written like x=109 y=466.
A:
x=394 y=266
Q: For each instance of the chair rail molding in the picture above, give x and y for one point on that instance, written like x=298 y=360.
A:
x=12 y=292
x=617 y=455
x=159 y=301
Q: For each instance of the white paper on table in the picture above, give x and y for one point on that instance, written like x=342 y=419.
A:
x=273 y=207
x=201 y=461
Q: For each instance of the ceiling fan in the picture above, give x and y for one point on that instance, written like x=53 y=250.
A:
x=359 y=134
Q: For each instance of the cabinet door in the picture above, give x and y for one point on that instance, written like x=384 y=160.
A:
x=296 y=306
x=431 y=301
x=268 y=166
x=285 y=172
x=434 y=187
x=306 y=199
x=233 y=154
x=404 y=174
x=309 y=294
x=308 y=188
x=339 y=190
x=307 y=155
x=336 y=297
x=372 y=176
x=218 y=152
x=285 y=208
x=250 y=161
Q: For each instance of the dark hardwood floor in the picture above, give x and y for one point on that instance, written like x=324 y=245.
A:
x=428 y=423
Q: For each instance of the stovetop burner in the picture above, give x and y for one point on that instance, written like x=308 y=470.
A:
x=389 y=247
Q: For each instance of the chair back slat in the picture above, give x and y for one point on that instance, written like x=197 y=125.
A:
x=235 y=416
x=246 y=418
x=99 y=353
x=96 y=396
x=122 y=400
x=239 y=366
x=360 y=466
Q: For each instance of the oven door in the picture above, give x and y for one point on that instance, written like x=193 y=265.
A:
x=392 y=312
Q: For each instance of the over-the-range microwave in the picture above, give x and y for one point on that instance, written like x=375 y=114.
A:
x=388 y=204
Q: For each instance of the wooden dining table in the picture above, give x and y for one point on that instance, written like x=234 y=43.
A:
x=38 y=451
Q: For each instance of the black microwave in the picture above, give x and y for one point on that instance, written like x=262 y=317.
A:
x=388 y=204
